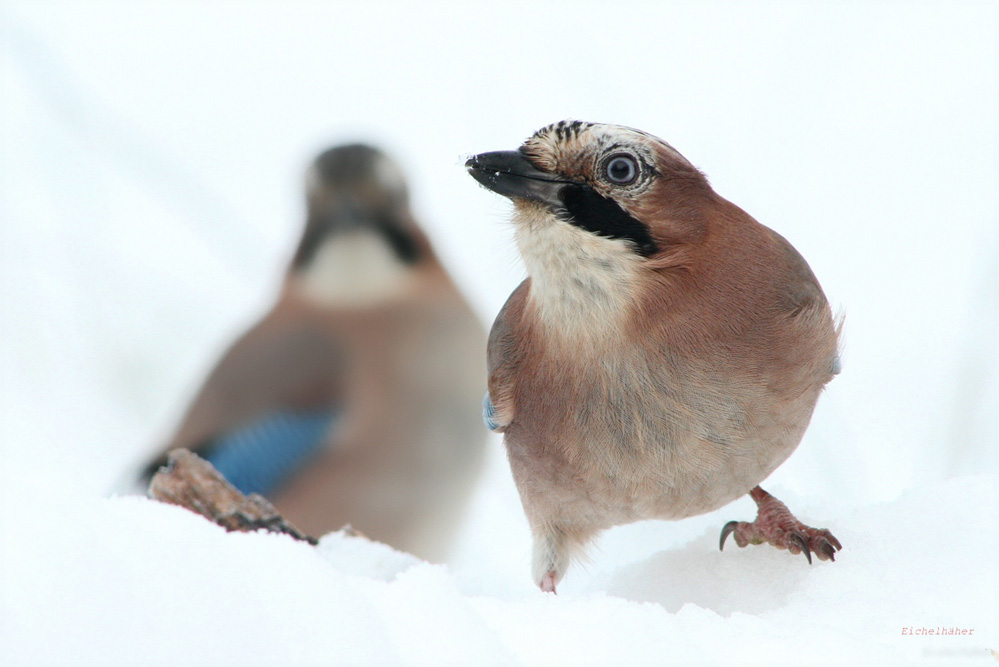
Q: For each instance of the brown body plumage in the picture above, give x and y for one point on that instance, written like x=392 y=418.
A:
x=647 y=386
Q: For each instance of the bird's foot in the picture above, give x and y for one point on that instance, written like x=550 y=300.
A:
x=777 y=526
x=548 y=583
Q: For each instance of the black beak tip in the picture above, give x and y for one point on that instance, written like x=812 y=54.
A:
x=496 y=161
x=476 y=170
x=480 y=166
x=510 y=174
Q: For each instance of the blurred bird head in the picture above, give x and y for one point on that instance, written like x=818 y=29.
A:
x=360 y=242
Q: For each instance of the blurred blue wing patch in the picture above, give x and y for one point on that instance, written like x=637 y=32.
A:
x=259 y=457
x=488 y=412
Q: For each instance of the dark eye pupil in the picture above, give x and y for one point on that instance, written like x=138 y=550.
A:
x=621 y=170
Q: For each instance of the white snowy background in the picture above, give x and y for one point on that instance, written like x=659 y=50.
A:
x=150 y=193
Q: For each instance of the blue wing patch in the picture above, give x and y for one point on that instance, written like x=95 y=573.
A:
x=488 y=412
x=259 y=457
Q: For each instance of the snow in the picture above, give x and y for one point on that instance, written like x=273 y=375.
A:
x=151 y=157
x=128 y=579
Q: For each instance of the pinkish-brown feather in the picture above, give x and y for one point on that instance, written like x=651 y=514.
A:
x=702 y=386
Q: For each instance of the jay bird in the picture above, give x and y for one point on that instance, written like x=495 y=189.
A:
x=356 y=398
x=664 y=354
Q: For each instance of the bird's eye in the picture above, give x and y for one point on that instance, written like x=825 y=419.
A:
x=621 y=170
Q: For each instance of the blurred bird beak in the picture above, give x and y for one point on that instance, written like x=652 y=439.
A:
x=508 y=173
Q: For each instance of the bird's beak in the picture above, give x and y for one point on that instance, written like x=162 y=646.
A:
x=510 y=174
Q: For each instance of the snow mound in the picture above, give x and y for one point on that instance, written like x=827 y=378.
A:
x=123 y=580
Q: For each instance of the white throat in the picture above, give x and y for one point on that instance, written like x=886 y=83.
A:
x=352 y=269
x=583 y=285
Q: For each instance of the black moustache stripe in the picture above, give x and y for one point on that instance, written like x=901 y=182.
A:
x=604 y=217
x=402 y=243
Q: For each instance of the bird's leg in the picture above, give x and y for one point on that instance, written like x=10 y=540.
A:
x=551 y=558
x=777 y=526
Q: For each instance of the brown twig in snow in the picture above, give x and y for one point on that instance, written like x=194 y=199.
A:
x=191 y=482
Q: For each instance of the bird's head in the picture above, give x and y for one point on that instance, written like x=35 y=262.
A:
x=354 y=180
x=359 y=236
x=613 y=182
x=596 y=206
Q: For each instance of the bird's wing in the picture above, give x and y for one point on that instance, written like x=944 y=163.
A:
x=502 y=356
x=806 y=309
x=260 y=456
x=267 y=407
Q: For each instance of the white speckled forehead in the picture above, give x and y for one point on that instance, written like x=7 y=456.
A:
x=570 y=146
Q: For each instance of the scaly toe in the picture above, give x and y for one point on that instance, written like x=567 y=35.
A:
x=776 y=525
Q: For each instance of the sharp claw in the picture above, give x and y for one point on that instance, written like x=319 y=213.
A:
x=829 y=550
x=726 y=531
x=834 y=541
x=803 y=545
